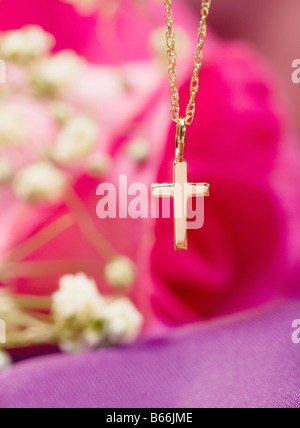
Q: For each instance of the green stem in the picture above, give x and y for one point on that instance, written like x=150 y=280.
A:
x=87 y=226
x=23 y=320
x=33 y=269
x=21 y=339
x=39 y=303
x=45 y=318
x=41 y=238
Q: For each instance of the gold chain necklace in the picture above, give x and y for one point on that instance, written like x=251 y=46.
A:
x=181 y=190
x=198 y=60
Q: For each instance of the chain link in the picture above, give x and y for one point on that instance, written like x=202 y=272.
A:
x=198 y=60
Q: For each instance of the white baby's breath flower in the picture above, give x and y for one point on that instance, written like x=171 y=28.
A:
x=76 y=140
x=77 y=298
x=92 y=338
x=13 y=129
x=84 y=319
x=80 y=337
x=138 y=150
x=57 y=73
x=6 y=171
x=61 y=111
x=99 y=164
x=5 y=360
x=26 y=44
x=84 y=6
x=120 y=273
x=122 y=321
x=71 y=346
x=40 y=182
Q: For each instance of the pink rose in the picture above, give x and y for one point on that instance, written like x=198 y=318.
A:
x=242 y=256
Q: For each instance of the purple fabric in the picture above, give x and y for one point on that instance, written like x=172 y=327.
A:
x=247 y=360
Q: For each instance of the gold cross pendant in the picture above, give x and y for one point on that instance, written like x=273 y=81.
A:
x=181 y=190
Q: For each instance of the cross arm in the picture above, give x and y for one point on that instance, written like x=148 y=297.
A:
x=198 y=189
x=163 y=190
